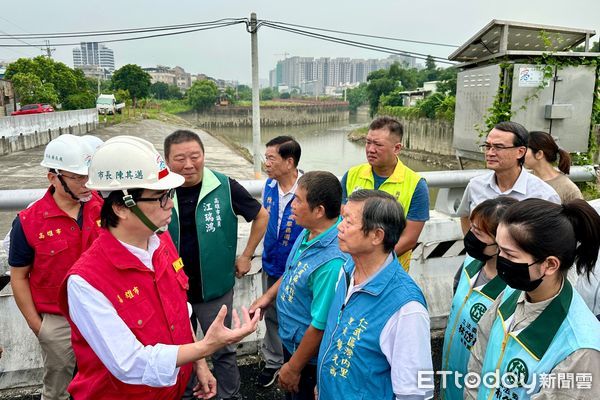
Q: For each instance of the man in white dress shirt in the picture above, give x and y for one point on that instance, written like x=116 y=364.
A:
x=505 y=148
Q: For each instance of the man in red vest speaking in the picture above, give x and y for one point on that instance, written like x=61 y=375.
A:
x=126 y=297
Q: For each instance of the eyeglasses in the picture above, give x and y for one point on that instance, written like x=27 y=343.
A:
x=497 y=147
x=74 y=178
x=163 y=199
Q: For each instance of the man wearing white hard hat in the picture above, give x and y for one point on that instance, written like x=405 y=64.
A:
x=45 y=240
x=126 y=297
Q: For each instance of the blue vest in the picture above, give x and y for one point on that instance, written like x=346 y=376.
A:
x=277 y=246
x=468 y=305
x=294 y=297
x=351 y=364
x=565 y=326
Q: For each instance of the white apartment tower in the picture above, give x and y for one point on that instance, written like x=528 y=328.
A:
x=94 y=54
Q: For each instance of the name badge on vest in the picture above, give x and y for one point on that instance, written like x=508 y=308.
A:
x=178 y=264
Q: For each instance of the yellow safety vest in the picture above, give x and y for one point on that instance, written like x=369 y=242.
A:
x=401 y=184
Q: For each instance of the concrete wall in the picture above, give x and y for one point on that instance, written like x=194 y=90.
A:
x=271 y=116
x=27 y=131
x=424 y=134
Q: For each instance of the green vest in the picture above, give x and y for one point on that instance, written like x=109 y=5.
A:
x=468 y=306
x=401 y=184
x=216 y=228
x=526 y=356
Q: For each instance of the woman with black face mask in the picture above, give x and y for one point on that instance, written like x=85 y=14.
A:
x=539 y=340
x=478 y=286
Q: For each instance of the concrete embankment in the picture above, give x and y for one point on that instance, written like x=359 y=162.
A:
x=434 y=261
x=283 y=115
x=24 y=132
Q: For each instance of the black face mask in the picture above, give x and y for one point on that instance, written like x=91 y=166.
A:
x=475 y=247
x=516 y=275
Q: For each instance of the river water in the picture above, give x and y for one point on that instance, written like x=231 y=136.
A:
x=324 y=146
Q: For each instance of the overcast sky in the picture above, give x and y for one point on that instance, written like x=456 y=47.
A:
x=225 y=52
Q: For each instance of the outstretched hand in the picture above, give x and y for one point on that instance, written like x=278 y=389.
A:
x=218 y=335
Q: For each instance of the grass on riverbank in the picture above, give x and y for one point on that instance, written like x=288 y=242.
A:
x=358 y=134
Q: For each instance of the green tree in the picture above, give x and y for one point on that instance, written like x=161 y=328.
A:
x=380 y=83
x=30 y=89
x=159 y=90
x=269 y=94
x=203 y=95
x=357 y=97
x=244 y=93
x=65 y=81
x=80 y=101
x=134 y=79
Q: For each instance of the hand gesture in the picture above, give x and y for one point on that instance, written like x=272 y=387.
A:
x=218 y=335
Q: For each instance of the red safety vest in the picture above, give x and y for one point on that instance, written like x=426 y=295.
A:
x=57 y=242
x=153 y=304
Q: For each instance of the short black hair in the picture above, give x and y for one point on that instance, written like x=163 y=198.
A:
x=391 y=124
x=521 y=135
x=181 y=136
x=381 y=210
x=322 y=189
x=287 y=147
x=108 y=218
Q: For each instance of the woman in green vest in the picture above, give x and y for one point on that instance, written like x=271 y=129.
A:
x=478 y=286
x=539 y=340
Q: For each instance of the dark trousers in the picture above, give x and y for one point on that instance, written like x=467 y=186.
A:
x=224 y=361
x=308 y=381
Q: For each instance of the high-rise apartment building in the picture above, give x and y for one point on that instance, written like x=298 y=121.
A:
x=306 y=72
x=94 y=54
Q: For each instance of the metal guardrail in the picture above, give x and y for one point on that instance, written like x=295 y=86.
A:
x=453 y=182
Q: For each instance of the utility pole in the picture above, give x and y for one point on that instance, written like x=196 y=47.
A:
x=256 y=148
x=48 y=50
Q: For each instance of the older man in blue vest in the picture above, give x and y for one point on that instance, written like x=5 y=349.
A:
x=303 y=294
x=377 y=335
x=281 y=164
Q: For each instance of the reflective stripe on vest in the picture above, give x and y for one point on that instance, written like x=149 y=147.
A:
x=401 y=184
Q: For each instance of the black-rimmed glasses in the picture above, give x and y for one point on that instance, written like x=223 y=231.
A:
x=163 y=199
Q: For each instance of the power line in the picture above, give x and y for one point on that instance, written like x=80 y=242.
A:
x=138 y=37
x=365 y=35
x=111 y=32
x=357 y=44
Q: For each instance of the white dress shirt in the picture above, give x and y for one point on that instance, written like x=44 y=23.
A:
x=405 y=342
x=484 y=187
x=112 y=340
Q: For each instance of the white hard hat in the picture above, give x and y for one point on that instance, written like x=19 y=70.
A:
x=93 y=141
x=128 y=162
x=67 y=153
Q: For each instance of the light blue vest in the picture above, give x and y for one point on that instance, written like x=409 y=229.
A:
x=565 y=326
x=277 y=246
x=351 y=364
x=468 y=305
x=294 y=297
